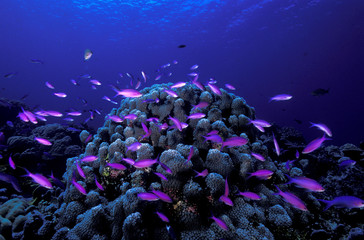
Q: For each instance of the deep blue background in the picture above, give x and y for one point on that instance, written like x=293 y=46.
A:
x=262 y=47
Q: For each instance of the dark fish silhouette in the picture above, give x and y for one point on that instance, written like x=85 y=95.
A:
x=36 y=61
x=320 y=92
x=182 y=46
x=9 y=75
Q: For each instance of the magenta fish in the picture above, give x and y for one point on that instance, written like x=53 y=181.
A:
x=291 y=199
x=276 y=146
x=80 y=171
x=134 y=147
x=194 y=67
x=200 y=105
x=288 y=164
x=165 y=167
x=196 y=116
x=115 y=118
x=323 y=128
x=162 y=196
x=189 y=155
x=131 y=116
x=281 y=97
x=147 y=196
x=178 y=85
x=144 y=77
x=261 y=123
x=161 y=176
x=306 y=183
x=344 y=202
x=11 y=163
x=347 y=163
x=213 y=132
x=90 y=158
x=98 y=185
x=177 y=123
x=199 y=85
x=146 y=130
x=117 y=166
x=79 y=187
x=95 y=82
x=204 y=173
x=229 y=86
x=315 y=144
x=215 y=89
x=164 y=126
x=40 y=179
x=170 y=92
x=145 y=163
x=213 y=138
x=162 y=217
x=258 y=156
x=234 y=142
x=220 y=223
x=74 y=113
x=43 y=141
x=132 y=93
x=60 y=94
x=225 y=198
x=49 y=85
x=129 y=161
x=262 y=174
x=250 y=195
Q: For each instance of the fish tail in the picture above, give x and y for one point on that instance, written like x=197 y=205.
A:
x=328 y=203
x=289 y=179
x=28 y=173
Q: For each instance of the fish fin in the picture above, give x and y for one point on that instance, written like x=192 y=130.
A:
x=328 y=203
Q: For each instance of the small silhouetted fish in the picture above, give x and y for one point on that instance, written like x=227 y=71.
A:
x=36 y=61
x=10 y=75
x=182 y=46
x=320 y=92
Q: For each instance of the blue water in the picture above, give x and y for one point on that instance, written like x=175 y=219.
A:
x=263 y=48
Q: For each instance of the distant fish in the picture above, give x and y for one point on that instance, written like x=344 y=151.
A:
x=194 y=67
x=178 y=85
x=134 y=147
x=229 y=86
x=190 y=155
x=323 y=128
x=36 y=61
x=43 y=141
x=213 y=138
x=10 y=123
x=95 y=82
x=87 y=55
x=117 y=166
x=10 y=75
x=163 y=217
x=181 y=46
x=204 y=173
x=176 y=122
x=344 y=202
x=10 y=179
x=262 y=174
x=98 y=185
x=145 y=163
x=11 y=163
x=80 y=171
x=89 y=158
x=49 y=85
x=306 y=183
x=161 y=176
x=347 y=163
x=196 y=116
x=276 y=146
x=144 y=77
x=234 y=142
x=132 y=93
x=320 y=92
x=147 y=196
x=79 y=187
x=170 y=92
x=74 y=82
x=281 y=97
x=258 y=156
x=220 y=223
x=225 y=198
x=162 y=196
x=200 y=105
x=131 y=116
x=60 y=94
x=215 y=89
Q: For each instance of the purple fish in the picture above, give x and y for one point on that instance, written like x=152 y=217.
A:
x=306 y=183
x=189 y=155
x=177 y=123
x=117 y=166
x=43 y=141
x=144 y=77
x=49 y=85
x=23 y=117
x=291 y=199
x=276 y=146
x=204 y=173
x=262 y=174
x=132 y=93
x=297 y=154
x=344 y=202
x=134 y=147
x=323 y=128
x=147 y=196
x=199 y=85
x=11 y=163
x=146 y=130
x=234 y=142
x=60 y=94
x=79 y=187
x=220 y=223
x=152 y=119
x=281 y=97
x=89 y=137
x=164 y=126
x=30 y=116
x=178 y=85
x=288 y=164
x=196 y=116
x=129 y=161
x=80 y=171
x=98 y=185
x=162 y=196
x=250 y=195
x=161 y=176
x=225 y=198
x=229 y=86
x=10 y=179
x=90 y=158
x=213 y=138
x=40 y=179
x=162 y=217
x=74 y=113
x=145 y=163
x=213 y=132
x=115 y=118
x=258 y=156
x=170 y=93
x=131 y=116
x=347 y=163
x=260 y=122
x=194 y=67
x=95 y=82
x=315 y=144
x=165 y=167
x=200 y=105
x=215 y=89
